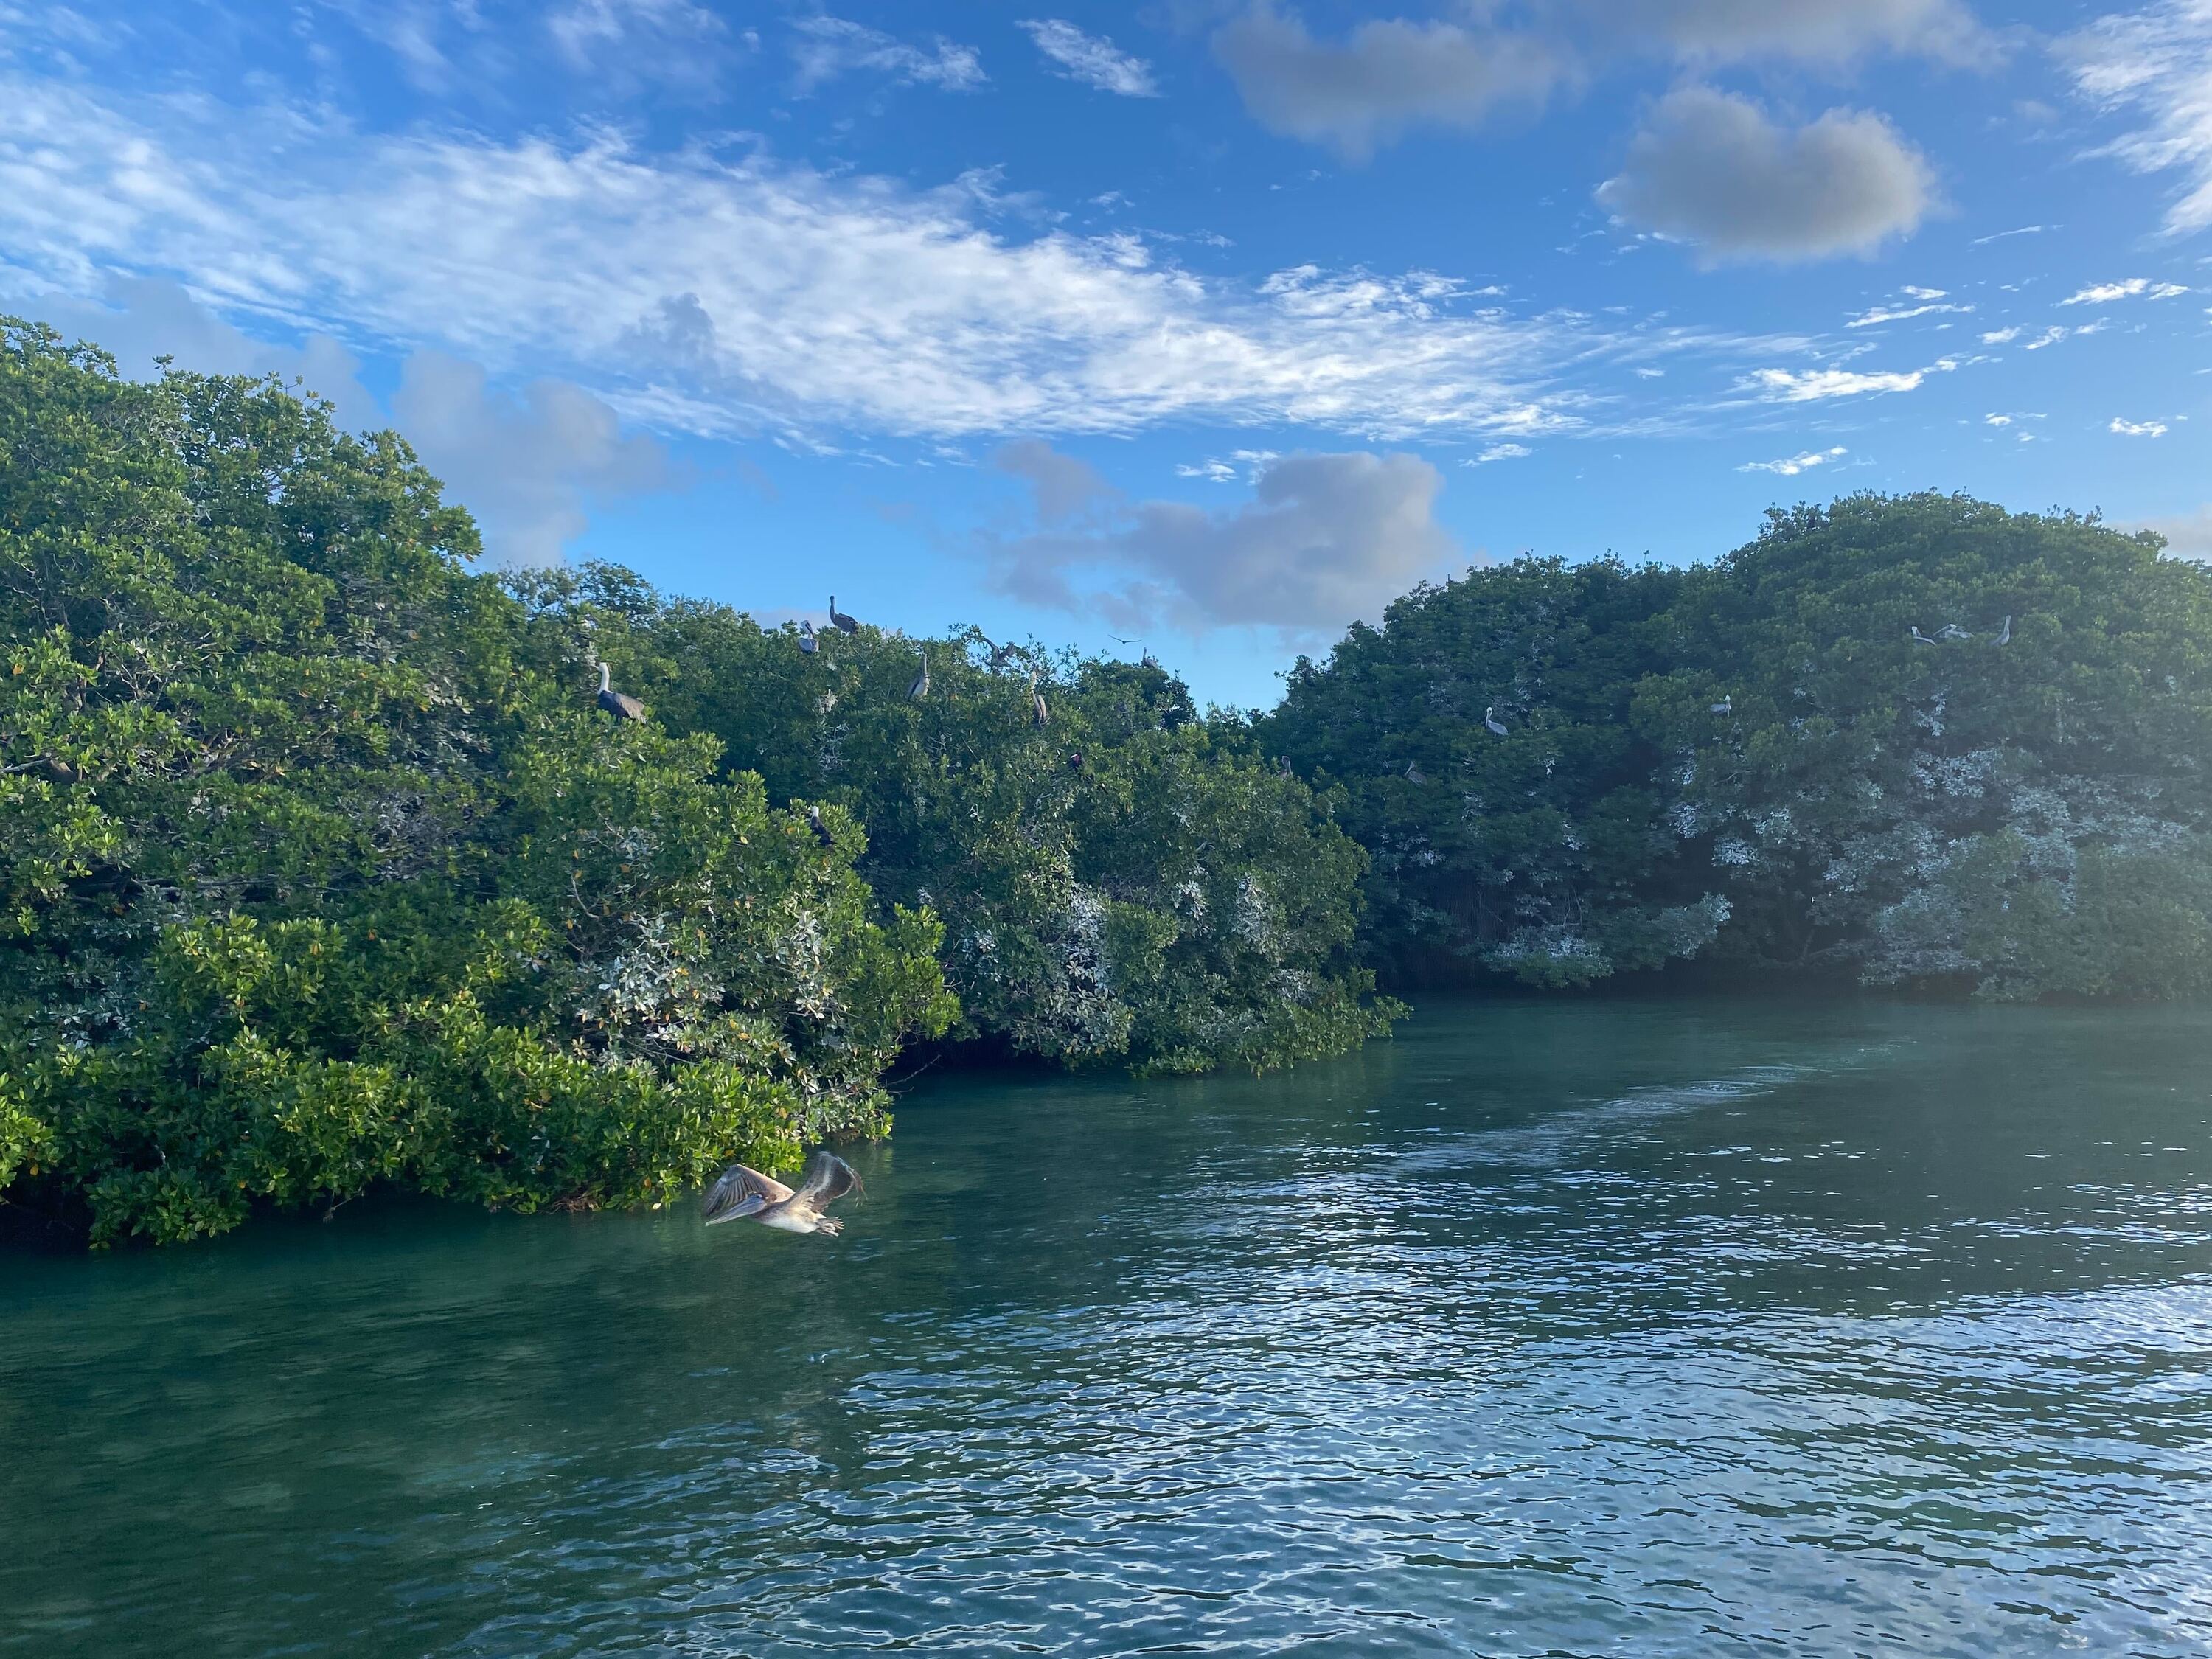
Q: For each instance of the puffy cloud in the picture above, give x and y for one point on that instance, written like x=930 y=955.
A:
x=830 y=46
x=1387 y=76
x=1062 y=485
x=528 y=466
x=1503 y=451
x=1324 y=538
x=1092 y=58
x=1710 y=168
x=2156 y=64
x=2138 y=428
x=2189 y=536
x=1792 y=465
x=859 y=304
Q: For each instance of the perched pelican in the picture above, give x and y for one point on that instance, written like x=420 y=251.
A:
x=1490 y=718
x=1413 y=773
x=1952 y=631
x=2005 y=638
x=622 y=707
x=1725 y=706
x=840 y=620
x=821 y=829
x=1075 y=760
x=1150 y=661
x=748 y=1193
x=1036 y=701
x=920 y=686
x=807 y=640
x=1283 y=767
x=1919 y=638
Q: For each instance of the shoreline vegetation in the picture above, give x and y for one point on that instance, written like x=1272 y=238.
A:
x=321 y=870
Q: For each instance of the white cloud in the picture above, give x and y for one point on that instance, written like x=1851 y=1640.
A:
x=1716 y=32
x=1506 y=451
x=2138 y=428
x=2049 y=337
x=2102 y=294
x=1387 y=76
x=2001 y=336
x=1899 y=313
x=666 y=37
x=1997 y=420
x=830 y=46
x=2157 y=64
x=528 y=465
x=1784 y=385
x=1794 y=464
x=856 y=303
x=1710 y=168
x=1324 y=539
x=1091 y=60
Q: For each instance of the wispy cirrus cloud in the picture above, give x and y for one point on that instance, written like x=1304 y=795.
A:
x=2156 y=65
x=2105 y=294
x=830 y=46
x=1092 y=59
x=2137 y=428
x=1790 y=466
x=858 y=305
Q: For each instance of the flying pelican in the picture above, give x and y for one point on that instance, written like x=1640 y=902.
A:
x=621 y=706
x=840 y=620
x=1413 y=773
x=1490 y=718
x=1725 y=706
x=748 y=1193
x=920 y=686
x=807 y=640
x=1919 y=638
x=821 y=829
x=2005 y=638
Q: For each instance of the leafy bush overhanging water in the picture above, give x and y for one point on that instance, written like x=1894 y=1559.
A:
x=320 y=869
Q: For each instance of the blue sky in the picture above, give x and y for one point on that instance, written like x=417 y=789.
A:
x=1210 y=325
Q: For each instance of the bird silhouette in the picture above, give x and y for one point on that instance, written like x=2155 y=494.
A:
x=840 y=620
x=821 y=829
x=747 y=1194
x=621 y=706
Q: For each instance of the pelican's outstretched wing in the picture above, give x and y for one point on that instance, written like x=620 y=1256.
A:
x=828 y=1178
x=741 y=1192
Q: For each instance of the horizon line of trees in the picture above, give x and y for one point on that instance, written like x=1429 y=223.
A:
x=320 y=870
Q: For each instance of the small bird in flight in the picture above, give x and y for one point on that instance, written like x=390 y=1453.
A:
x=747 y=1194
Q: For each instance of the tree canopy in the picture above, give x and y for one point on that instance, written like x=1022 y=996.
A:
x=1919 y=740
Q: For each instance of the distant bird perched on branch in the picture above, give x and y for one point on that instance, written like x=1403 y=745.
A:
x=2005 y=638
x=1413 y=773
x=1038 y=702
x=1725 y=706
x=807 y=643
x=1919 y=638
x=1952 y=631
x=821 y=829
x=840 y=620
x=1490 y=719
x=747 y=1194
x=621 y=706
x=1283 y=767
x=920 y=686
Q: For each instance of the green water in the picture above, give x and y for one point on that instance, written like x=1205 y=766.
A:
x=1560 y=1329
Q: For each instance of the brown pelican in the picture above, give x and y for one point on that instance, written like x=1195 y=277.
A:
x=1490 y=719
x=1919 y=638
x=1952 y=631
x=749 y=1194
x=1036 y=701
x=621 y=706
x=807 y=640
x=1725 y=706
x=2005 y=638
x=1413 y=773
x=840 y=620
x=920 y=686
x=821 y=829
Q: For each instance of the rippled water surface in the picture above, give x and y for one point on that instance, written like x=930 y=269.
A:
x=1549 y=1329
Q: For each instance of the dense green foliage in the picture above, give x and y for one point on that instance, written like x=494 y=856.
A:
x=1120 y=881
x=320 y=869
x=1756 y=764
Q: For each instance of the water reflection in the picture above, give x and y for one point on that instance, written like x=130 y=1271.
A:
x=1598 y=1327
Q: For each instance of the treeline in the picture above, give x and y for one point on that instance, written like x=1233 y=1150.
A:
x=1905 y=741
x=320 y=869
